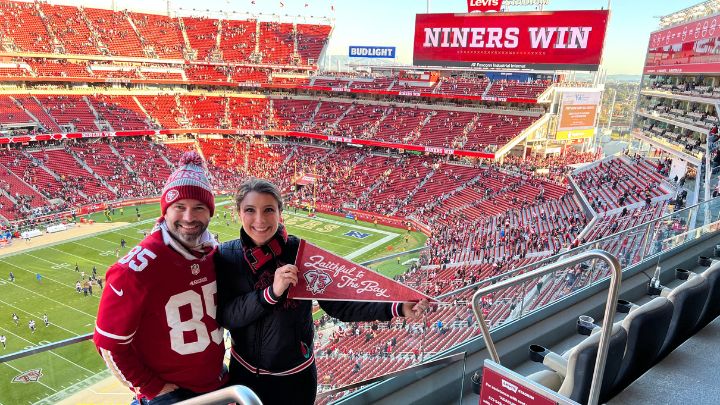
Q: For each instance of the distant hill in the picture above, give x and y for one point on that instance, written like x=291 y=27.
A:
x=610 y=78
x=623 y=78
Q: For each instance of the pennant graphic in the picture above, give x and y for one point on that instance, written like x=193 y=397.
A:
x=325 y=276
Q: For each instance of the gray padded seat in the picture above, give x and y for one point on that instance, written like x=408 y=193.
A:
x=572 y=372
x=646 y=328
x=712 y=305
x=689 y=300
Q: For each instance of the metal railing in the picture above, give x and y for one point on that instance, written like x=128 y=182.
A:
x=615 y=276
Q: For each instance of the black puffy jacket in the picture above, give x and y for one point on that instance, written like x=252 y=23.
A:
x=274 y=337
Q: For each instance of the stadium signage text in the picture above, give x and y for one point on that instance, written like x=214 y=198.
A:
x=435 y=149
x=484 y=5
x=500 y=386
x=509 y=3
x=686 y=48
x=522 y=40
x=372 y=52
x=343 y=139
x=323 y=275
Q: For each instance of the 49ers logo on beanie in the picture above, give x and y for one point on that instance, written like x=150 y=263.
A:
x=171 y=195
x=188 y=182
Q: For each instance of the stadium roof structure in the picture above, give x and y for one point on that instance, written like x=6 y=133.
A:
x=691 y=13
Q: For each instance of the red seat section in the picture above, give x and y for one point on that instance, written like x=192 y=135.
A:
x=238 y=40
x=202 y=33
x=70 y=28
x=311 y=40
x=160 y=34
x=22 y=23
x=115 y=32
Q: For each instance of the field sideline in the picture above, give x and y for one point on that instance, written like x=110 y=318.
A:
x=70 y=369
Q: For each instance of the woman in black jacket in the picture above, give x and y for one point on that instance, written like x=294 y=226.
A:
x=272 y=336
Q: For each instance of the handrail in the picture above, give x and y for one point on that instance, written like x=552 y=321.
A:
x=615 y=277
x=44 y=348
x=239 y=394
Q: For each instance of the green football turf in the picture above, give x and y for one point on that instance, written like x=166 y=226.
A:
x=72 y=368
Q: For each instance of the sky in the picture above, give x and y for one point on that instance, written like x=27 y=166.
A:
x=392 y=22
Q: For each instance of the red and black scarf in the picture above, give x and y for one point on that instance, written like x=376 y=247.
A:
x=259 y=256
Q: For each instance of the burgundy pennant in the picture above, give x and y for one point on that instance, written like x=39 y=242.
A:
x=326 y=276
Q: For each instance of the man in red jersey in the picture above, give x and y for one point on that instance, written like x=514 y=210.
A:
x=156 y=327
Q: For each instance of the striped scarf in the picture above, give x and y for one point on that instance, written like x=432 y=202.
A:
x=258 y=256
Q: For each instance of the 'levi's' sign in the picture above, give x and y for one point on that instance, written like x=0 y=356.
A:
x=557 y=39
x=484 y=5
x=325 y=276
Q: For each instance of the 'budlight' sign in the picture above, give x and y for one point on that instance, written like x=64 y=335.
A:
x=372 y=52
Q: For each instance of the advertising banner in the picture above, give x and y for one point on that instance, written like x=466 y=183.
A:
x=372 y=52
x=503 y=389
x=578 y=113
x=686 y=48
x=484 y=5
x=571 y=40
x=325 y=276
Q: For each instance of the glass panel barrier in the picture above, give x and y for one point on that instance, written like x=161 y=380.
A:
x=455 y=362
x=50 y=376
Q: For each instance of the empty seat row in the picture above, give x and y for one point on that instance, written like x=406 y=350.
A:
x=644 y=337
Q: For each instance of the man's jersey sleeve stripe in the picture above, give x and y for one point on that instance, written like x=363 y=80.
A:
x=110 y=362
x=112 y=335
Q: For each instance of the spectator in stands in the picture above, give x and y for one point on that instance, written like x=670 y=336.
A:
x=171 y=267
x=272 y=335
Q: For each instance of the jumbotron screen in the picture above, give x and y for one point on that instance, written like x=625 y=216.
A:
x=688 y=48
x=571 y=40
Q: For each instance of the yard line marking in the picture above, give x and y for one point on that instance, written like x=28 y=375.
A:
x=388 y=236
x=44 y=277
x=49 y=351
x=80 y=257
x=50 y=299
x=40 y=318
x=332 y=221
x=371 y=246
x=88 y=247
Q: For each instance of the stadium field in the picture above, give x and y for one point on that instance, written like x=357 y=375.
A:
x=50 y=376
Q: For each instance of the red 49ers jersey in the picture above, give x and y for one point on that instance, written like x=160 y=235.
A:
x=157 y=319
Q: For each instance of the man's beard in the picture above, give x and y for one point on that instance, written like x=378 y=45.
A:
x=186 y=238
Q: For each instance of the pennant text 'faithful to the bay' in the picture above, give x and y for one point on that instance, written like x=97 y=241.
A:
x=325 y=276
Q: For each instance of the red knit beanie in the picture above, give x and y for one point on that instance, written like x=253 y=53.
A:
x=188 y=181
